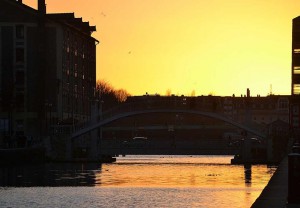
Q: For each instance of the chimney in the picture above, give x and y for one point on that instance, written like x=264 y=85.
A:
x=41 y=6
x=248 y=92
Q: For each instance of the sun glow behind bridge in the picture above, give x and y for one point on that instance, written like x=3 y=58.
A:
x=219 y=47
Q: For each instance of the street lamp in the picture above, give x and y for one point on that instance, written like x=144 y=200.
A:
x=48 y=108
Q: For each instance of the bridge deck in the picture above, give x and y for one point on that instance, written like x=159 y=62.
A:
x=133 y=113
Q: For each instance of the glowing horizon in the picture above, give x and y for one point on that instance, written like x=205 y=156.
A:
x=210 y=47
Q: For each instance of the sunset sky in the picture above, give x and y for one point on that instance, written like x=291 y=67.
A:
x=208 y=46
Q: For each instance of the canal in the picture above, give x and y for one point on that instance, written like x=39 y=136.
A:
x=135 y=181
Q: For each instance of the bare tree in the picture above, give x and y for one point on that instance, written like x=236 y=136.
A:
x=108 y=95
x=168 y=92
x=103 y=87
x=121 y=95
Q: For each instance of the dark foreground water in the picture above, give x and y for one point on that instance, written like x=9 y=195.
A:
x=135 y=181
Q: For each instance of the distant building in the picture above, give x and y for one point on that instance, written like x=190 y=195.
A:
x=295 y=88
x=47 y=69
x=257 y=111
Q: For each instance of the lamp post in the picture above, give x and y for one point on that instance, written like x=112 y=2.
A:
x=48 y=109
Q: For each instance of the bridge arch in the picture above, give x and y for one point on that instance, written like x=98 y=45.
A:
x=133 y=113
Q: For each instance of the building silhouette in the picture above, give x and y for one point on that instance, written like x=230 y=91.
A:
x=296 y=57
x=47 y=68
x=264 y=110
x=295 y=88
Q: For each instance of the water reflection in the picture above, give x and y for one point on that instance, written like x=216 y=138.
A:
x=178 y=171
x=136 y=181
x=141 y=171
x=248 y=174
x=51 y=174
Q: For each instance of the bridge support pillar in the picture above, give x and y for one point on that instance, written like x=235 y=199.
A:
x=93 y=153
x=270 y=149
x=95 y=135
x=247 y=150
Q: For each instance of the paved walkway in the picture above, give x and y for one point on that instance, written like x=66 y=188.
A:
x=275 y=193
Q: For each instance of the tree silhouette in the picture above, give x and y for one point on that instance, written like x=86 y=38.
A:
x=168 y=92
x=109 y=96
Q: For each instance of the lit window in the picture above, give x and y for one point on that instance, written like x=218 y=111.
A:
x=296 y=70
x=296 y=50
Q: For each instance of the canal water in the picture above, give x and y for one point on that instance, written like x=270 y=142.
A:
x=135 y=181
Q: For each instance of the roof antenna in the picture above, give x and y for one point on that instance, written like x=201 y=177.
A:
x=271 y=89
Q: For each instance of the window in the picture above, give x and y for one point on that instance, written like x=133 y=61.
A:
x=296 y=50
x=296 y=70
x=75 y=70
x=75 y=91
x=295 y=109
x=20 y=43
x=283 y=104
x=20 y=55
x=66 y=88
x=20 y=67
x=20 y=124
x=19 y=100
x=296 y=89
x=20 y=77
x=20 y=31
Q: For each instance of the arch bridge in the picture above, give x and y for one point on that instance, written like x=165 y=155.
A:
x=116 y=116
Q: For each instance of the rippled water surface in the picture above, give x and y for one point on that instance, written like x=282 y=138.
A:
x=135 y=181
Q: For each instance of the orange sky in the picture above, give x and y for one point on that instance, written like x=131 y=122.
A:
x=209 y=46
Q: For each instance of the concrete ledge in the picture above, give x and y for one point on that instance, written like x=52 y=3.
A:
x=275 y=193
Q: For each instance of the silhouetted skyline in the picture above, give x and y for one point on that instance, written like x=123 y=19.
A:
x=216 y=47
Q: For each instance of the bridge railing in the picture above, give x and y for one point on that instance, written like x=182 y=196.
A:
x=140 y=106
x=149 y=105
x=130 y=109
